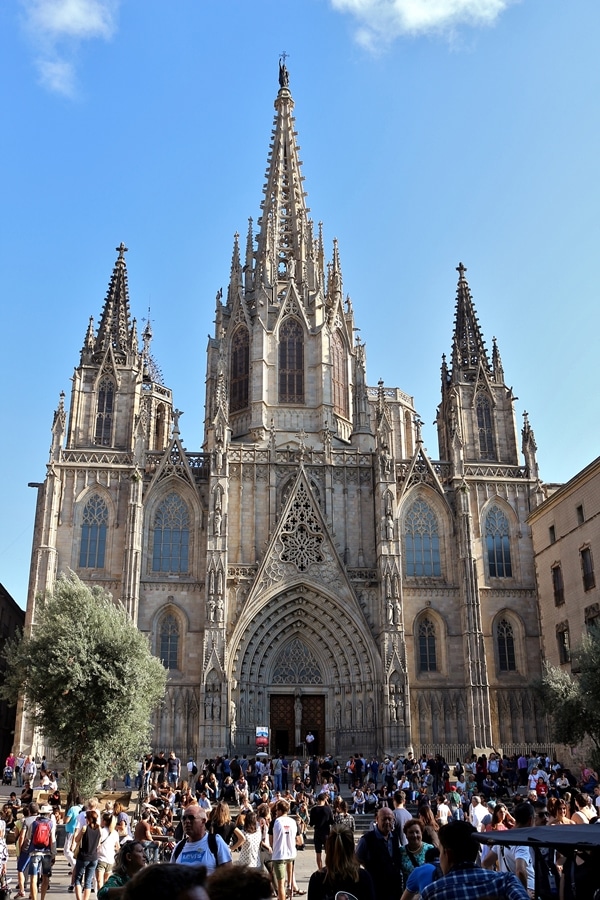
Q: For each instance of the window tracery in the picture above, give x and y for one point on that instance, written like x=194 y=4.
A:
x=422 y=541
x=484 y=427
x=497 y=538
x=505 y=638
x=171 y=536
x=340 y=376
x=240 y=370
x=301 y=533
x=104 y=413
x=93 y=533
x=169 y=642
x=291 y=362
x=427 y=646
x=296 y=665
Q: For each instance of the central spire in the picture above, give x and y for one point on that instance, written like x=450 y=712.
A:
x=285 y=240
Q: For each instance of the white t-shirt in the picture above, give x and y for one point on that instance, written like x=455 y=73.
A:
x=507 y=861
x=108 y=846
x=477 y=814
x=198 y=853
x=444 y=813
x=284 y=838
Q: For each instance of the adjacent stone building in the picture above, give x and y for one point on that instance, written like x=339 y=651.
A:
x=12 y=620
x=566 y=540
x=311 y=568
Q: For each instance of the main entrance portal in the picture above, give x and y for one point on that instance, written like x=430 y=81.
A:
x=284 y=712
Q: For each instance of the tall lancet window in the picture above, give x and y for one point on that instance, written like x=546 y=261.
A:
x=422 y=541
x=497 y=539
x=340 y=376
x=93 y=533
x=240 y=370
x=104 y=413
x=505 y=637
x=291 y=362
x=484 y=427
x=427 y=649
x=171 y=536
x=169 y=642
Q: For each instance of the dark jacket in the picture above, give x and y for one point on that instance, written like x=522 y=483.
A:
x=385 y=870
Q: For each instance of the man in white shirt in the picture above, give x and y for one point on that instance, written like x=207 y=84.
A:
x=284 y=847
x=477 y=812
x=443 y=810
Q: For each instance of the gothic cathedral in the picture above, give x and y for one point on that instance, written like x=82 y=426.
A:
x=311 y=568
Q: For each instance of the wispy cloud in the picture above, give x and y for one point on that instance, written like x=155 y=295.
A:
x=57 y=28
x=383 y=20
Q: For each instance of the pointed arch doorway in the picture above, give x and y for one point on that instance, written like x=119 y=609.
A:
x=283 y=712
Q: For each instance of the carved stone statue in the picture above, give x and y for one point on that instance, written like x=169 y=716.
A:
x=359 y=713
x=232 y=715
x=284 y=75
x=390 y=611
x=211 y=609
x=370 y=713
x=338 y=714
x=220 y=610
x=208 y=707
x=389 y=527
x=217 y=707
x=218 y=518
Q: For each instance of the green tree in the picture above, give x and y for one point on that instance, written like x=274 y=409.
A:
x=572 y=701
x=88 y=681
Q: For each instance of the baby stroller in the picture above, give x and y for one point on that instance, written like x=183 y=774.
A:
x=7 y=775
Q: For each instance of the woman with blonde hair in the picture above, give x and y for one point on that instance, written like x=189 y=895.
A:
x=342 y=871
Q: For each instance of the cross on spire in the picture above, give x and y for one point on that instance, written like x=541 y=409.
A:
x=461 y=271
x=122 y=250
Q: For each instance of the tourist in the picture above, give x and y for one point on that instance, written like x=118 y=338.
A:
x=413 y=853
x=199 y=847
x=284 y=847
x=130 y=860
x=342 y=870
x=87 y=841
x=380 y=852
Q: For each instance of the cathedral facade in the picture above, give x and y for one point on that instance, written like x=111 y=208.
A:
x=311 y=568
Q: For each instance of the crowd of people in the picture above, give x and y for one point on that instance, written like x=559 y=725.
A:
x=425 y=815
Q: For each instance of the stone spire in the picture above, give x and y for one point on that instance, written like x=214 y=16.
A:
x=284 y=239
x=113 y=330
x=468 y=346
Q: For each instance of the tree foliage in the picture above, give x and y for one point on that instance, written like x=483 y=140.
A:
x=573 y=700
x=88 y=681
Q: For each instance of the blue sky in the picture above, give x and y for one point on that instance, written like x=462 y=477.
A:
x=432 y=131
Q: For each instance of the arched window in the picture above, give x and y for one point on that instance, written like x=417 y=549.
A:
x=484 y=427
x=93 y=533
x=240 y=370
x=104 y=413
x=422 y=541
x=505 y=637
x=291 y=362
x=340 y=376
x=497 y=539
x=169 y=642
x=427 y=654
x=170 y=549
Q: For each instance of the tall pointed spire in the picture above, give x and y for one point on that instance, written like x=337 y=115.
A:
x=284 y=239
x=113 y=330
x=468 y=346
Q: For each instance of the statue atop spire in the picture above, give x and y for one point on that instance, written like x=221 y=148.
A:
x=284 y=75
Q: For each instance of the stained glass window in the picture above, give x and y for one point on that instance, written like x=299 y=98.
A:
x=497 y=538
x=506 y=646
x=93 y=533
x=422 y=541
x=169 y=642
x=427 y=649
x=171 y=536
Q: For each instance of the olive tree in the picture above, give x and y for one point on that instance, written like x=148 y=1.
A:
x=572 y=701
x=88 y=681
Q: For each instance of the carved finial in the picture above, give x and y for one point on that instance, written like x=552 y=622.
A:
x=122 y=250
x=461 y=271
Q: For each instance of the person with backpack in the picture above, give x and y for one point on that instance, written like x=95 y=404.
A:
x=199 y=847
x=42 y=851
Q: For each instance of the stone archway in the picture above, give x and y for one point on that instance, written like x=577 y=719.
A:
x=304 y=642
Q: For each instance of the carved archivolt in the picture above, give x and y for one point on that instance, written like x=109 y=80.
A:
x=331 y=641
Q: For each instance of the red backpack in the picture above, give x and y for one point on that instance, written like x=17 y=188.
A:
x=41 y=834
